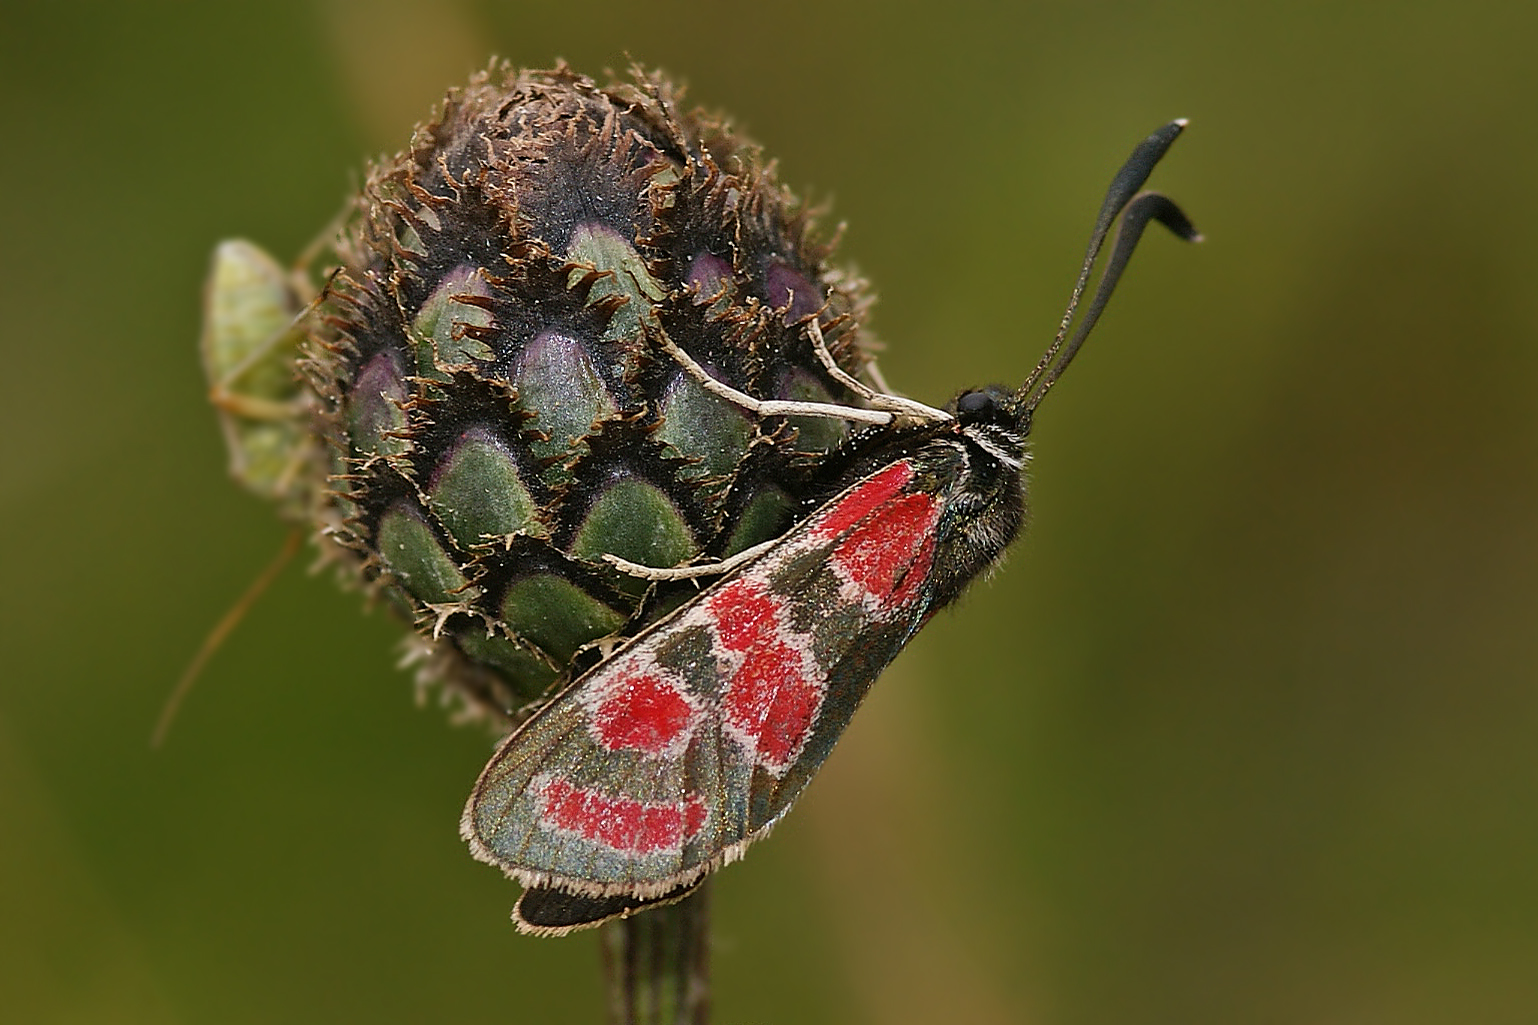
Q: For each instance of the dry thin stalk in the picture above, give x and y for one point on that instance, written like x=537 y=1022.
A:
x=657 y=964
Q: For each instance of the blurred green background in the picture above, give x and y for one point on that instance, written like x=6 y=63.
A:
x=1244 y=731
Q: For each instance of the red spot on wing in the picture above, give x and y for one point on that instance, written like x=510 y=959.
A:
x=621 y=823
x=645 y=713
x=890 y=553
x=917 y=573
x=769 y=704
x=865 y=499
x=745 y=614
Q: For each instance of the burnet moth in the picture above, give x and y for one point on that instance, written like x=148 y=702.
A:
x=670 y=757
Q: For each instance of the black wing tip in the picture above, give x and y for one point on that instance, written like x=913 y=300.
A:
x=549 y=911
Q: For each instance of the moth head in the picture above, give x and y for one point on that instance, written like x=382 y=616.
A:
x=991 y=406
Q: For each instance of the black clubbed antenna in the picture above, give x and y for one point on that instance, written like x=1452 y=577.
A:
x=1121 y=197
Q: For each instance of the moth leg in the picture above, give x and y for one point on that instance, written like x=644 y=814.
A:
x=882 y=400
x=820 y=348
x=605 y=646
x=703 y=569
x=768 y=407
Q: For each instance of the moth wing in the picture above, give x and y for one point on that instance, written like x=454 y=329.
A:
x=672 y=756
x=546 y=911
x=626 y=783
x=851 y=617
x=566 y=804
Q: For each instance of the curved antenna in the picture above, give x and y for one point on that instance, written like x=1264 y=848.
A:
x=1145 y=207
x=1121 y=196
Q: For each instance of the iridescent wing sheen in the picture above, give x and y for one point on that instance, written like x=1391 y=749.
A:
x=667 y=759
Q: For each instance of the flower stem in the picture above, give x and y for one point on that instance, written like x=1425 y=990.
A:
x=657 y=964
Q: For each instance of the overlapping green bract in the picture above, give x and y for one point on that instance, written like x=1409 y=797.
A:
x=485 y=392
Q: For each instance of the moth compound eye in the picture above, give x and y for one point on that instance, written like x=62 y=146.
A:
x=993 y=404
x=975 y=402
